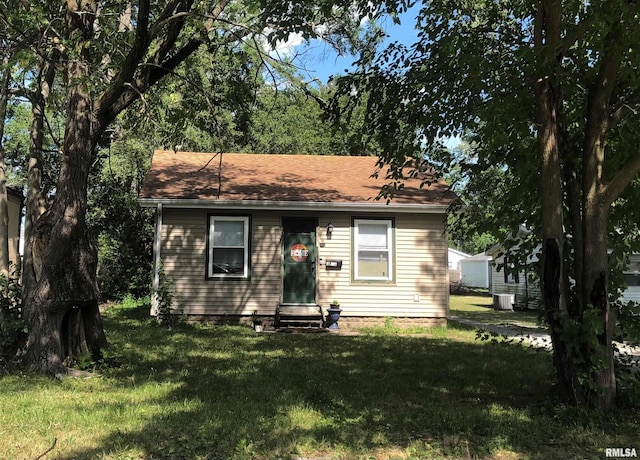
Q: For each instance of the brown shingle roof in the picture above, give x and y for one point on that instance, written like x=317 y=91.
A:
x=277 y=178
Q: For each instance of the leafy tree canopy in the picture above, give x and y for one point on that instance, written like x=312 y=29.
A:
x=547 y=94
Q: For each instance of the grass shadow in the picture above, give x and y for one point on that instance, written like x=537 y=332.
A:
x=223 y=392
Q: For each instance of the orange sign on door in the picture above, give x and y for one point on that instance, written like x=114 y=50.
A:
x=299 y=252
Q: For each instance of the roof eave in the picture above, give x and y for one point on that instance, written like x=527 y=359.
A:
x=294 y=205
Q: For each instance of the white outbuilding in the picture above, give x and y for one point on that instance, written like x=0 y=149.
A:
x=475 y=271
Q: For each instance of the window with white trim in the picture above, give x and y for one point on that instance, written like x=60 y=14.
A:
x=373 y=243
x=228 y=255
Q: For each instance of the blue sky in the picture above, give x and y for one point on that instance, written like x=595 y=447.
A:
x=321 y=61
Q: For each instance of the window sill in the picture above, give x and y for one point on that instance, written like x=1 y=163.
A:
x=373 y=282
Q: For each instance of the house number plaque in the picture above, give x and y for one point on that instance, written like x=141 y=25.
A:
x=299 y=252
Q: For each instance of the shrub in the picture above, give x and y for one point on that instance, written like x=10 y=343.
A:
x=12 y=326
x=164 y=300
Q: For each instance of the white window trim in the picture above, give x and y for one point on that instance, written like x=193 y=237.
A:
x=356 y=248
x=211 y=223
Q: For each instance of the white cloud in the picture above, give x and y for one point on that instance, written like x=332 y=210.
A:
x=283 y=48
x=287 y=48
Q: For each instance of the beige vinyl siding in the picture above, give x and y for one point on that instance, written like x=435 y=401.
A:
x=419 y=288
x=183 y=253
x=420 y=285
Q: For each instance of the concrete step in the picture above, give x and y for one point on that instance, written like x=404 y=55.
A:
x=299 y=314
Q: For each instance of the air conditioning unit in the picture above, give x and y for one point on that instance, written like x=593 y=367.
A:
x=503 y=301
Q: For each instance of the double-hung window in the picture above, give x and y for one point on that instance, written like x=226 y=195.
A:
x=228 y=255
x=373 y=249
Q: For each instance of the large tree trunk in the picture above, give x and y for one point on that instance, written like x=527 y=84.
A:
x=596 y=205
x=35 y=203
x=548 y=107
x=581 y=325
x=64 y=320
x=599 y=359
x=4 y=210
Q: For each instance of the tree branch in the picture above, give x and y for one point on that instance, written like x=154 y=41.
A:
x=158 y=65
x=166 y=16
x=627 y=173
x=128 y=68
x=598 y=121
x=579 y=30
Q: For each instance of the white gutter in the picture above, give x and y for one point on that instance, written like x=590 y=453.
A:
x=194 y=203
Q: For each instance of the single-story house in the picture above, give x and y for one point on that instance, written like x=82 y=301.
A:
x=475 y=271
x=520 y=281
x=244 y=233
x=515 y=279
x=513 y=272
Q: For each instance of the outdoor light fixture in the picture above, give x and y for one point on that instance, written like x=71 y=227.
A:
x=329 y=230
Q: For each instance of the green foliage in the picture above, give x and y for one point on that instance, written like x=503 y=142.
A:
x=16 y=144
x=288 y=121
x=627 y=382
x=339 y=22
x=629 y=321
x=454 y=81
x=520 y=85
x=124 y=232
x=216 y=100
x=204 y=103
x=165 y=311
x=204 y=106
x=12 y=326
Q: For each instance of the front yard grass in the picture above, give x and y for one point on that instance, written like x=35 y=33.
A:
x=211 y=392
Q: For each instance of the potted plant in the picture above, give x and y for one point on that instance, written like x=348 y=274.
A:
x=256 y=321
x=333 y=314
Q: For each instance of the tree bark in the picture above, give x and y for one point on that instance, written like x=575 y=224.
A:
x=64 y=320
x=61 y=300
x=584 y=360
x=35 y=203
x=4 y=210
x=599 y=349
x=548 y=107
x=5 y=316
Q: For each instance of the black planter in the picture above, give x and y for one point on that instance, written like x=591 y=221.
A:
x=333 y=315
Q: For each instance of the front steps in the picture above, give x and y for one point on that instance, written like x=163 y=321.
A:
x=299 y=315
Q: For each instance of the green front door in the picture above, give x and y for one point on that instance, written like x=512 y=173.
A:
x=299 y=282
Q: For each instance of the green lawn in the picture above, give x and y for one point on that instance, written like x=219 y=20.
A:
x=205 y=392
x=480 y=309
